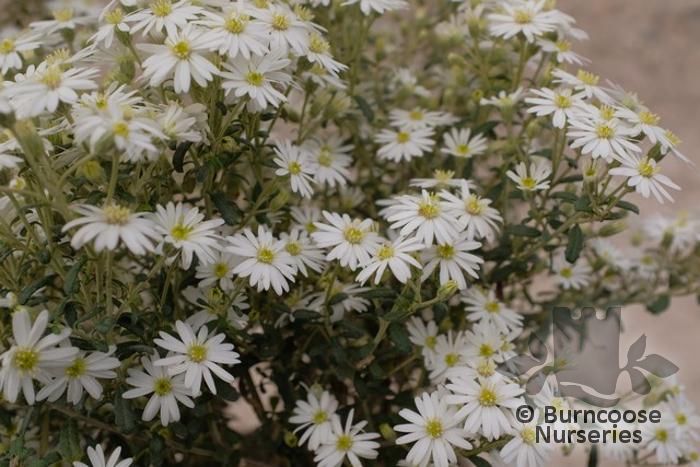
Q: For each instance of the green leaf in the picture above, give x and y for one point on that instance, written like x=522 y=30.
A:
x=365 y=108
x=29 y=290
x=337 y=298
x=71 y=283
x=399 y=336
x=627 y=206
x=573 y=249
x=583 y=204
x=123 y=414
x=521 y=230
x=69 y=442
x=659 y=305
x=179 y=156
x=229 y=211
x=565 y=195
x=486 y=127
x=479 y=461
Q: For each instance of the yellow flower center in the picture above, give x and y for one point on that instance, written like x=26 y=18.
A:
x=673 y=140
x=63 y=15
x=162 y=386
x=343 y=443
x=403 y=137
x=661 y=435
x=115 y=16
x=694 y=456
x=197 y=353
x=528 y=183
x=443 y=176
x=255 y=78
x=523 y=17
x=116 y=215
x=487 y=398
x=280 y=22
x=318 y=45
x=325 y=158
x=294 y=168
x=52 y=77
x=604 y=131
x=445 y=251
x=563 y=46
x=486 y=368
x=607 y=112
x=26 y=359
x=647 y=169
x=451 y=359
x=588 y=78
x=121 y=129
x=235 y=23
x=385 y=252
x=566 y=273
x=473 y=205
x=319 y=417
x=293 y=248
x=528 y=435
x=266 y=255
x=681 y=419
x=492 y=307
x=463 y=149
x=220 y=270
x=161 y=8
x=562 y=101
x=648 y=118
x=180 y=232
x=353 y=235
x=433 y=428
x=428 y=209
x=486 y=350
x=430 y=342
x=7 y=46
x=416 y=115
x=77 y=368
x=182 y=50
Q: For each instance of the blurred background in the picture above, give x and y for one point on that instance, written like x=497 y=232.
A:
x=649 y=47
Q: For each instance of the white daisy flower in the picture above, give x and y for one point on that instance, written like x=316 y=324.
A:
x=331 y=160
x=111 y=224
x=440 y=179
x=377 y=6
x=257 y=78
x=302 y=251
x=523 y=450
x=422 y=334
x=305 y=217
x=97 y=458
x=585 y=82
x=166 y=390
x=81 y=374
x=294 y=161
x=424 y=216
x=603 y=137
x=670 y=142
x=643 y=175
x=474 y=213
x=11 y=49
x=319 y=54
x=44 y=87
x=418 y=118
x=487 y=403
x=164 y=15
x=528 y=18
x=180 y=57
x=532 y=178
x=404 y=144
x=460 y=143
x=562 y=104
x=352 y=240
x=663 y=442
x=483 y=343
x=483 y=307
x=314 y=416
x=503 y=100
x=114 y=23
x=264 y=260
x=643 y=122
x=448 y=353
x=454 y=260
x=435 y=429
x=32 y=356
x=394 y=255
x=64 y=17
x=572 y=276
x=682 y=416
x=178 y=124
x=198 y=356
x=236 y=31
x=186 y=230
x=347 y=443
x=218 y=272
x=561 y=49
x=285 y=29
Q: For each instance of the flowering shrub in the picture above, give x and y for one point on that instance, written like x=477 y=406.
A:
x=260 y=232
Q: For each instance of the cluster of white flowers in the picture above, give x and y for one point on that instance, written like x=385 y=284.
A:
x=359 y=210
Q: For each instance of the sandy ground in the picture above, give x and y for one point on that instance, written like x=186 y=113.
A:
x=650 y=47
